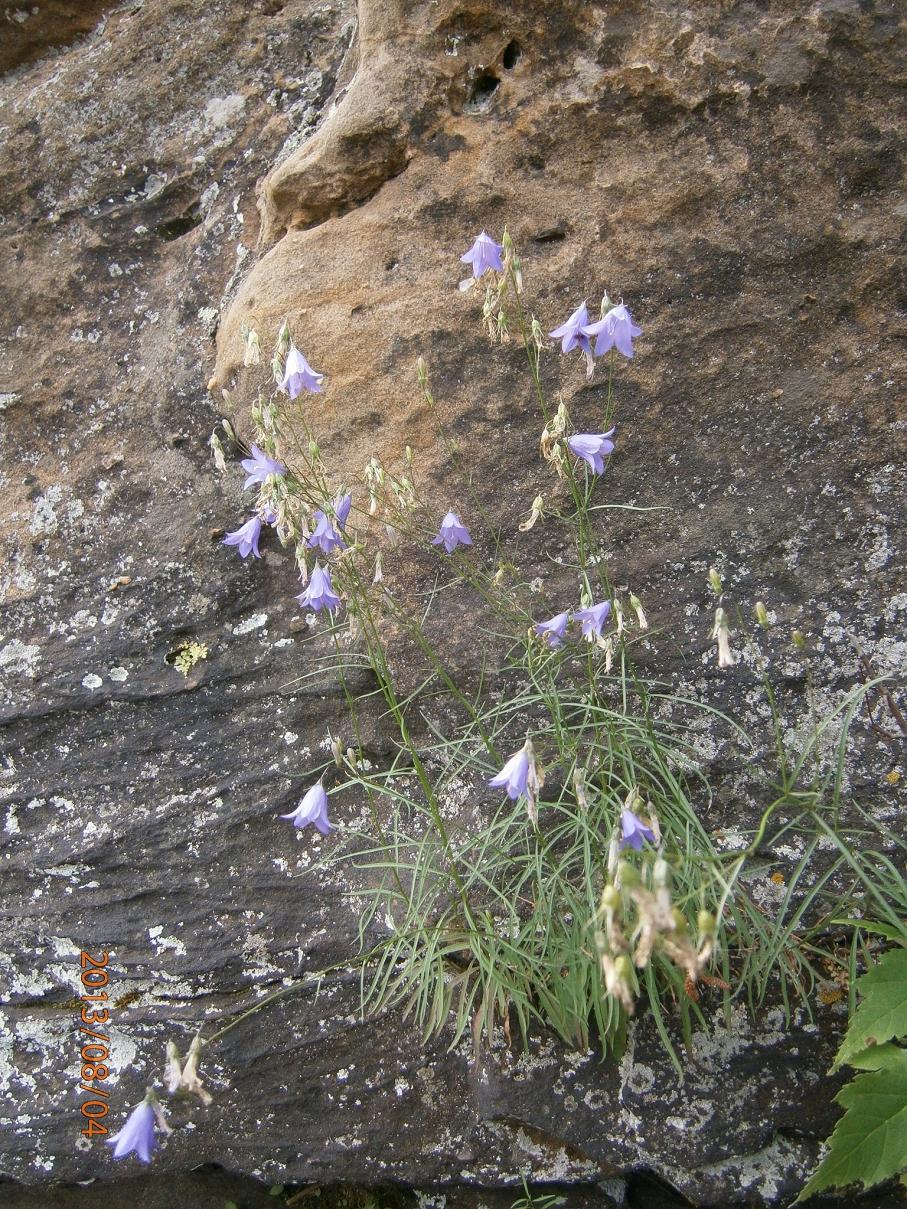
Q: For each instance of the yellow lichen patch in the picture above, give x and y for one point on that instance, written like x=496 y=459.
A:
x=187 y=655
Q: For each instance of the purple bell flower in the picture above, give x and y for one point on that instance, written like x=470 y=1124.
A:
x=616 y=330
x=522 y=777
x=342 y=507
x=246 y=537
x=553 y=631
x=136 y=1135
x=593 y=448
x=452 y=533
x=259 y=466
x=572 y=333
x=514 y=775
x=313 y=808
x=634 y=831
x=593 y=619
x=298 y=375
x=320 y=592
x=484 y=254
x=325 y=536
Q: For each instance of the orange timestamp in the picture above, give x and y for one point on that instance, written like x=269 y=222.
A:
x=95 y=1052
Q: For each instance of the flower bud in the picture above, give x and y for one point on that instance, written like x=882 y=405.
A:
x=623 y=968
x=314 y=451
x=715 y=581
x=679 y=920
x=610 y=897
x=172 y=1068
x=538 y=336
x=422 y=371
x=607 y=304
x=217 y=451
x=600 y=942
x=628 y=874
x=636 y=606
x=507 y=241
x=799 y=640
x=721 y=632
x=705 y=922
x=761 y=614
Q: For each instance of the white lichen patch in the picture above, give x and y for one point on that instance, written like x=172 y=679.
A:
x=18 y=658
x=164 y=943
x=255 y=622
x=92 y=681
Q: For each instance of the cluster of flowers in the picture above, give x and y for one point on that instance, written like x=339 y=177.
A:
x=180 y=1078
x=591 y=620
x=325 y=536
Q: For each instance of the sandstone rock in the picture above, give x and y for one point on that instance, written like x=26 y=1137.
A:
x=186 y=169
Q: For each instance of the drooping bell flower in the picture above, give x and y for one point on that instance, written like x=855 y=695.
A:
x=319 y=594
x=452 y=533
x=484 y=254
x=298 y=375
x=313 y=808
x=246 y=537
x=616 y=330
x=593 y=448
x=259 y=466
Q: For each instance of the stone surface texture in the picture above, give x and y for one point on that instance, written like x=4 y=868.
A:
x=174 y=170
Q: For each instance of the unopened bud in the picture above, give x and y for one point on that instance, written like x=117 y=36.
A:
x=715 y=581
x=636 y=606
x=507 y=241
x=538 y=336
x=600 y=941
x=679 y=920
x=705 y=922
x=628 y=874
x=623 y=968
x=173 y=1069
x=314 y=451
x=607 y=304
x=217 y=452
x=410 y=456
x=610 y=897
x=761 y=613
x=422 y=371
x=721 y=632
x=799 y=640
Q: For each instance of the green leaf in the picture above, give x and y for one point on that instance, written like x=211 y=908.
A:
x=869 y=1143
x=883 y=1012
x=889 y=1056
x=887 y=930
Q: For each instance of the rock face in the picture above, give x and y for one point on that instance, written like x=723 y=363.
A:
x=178 y=170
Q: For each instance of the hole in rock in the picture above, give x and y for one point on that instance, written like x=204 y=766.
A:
x=483 y=89
x=175 y=228
x=550 y=235
x=511 y=55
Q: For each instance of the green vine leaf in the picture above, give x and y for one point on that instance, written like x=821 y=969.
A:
x=869 y=1143
x=883 y=1013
